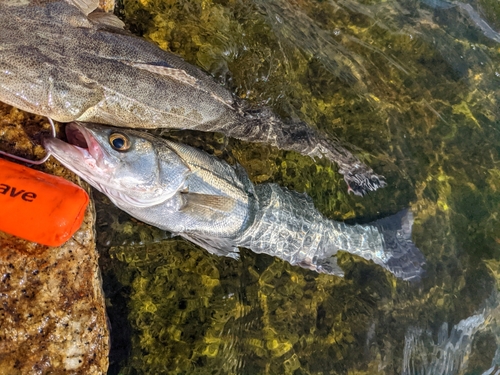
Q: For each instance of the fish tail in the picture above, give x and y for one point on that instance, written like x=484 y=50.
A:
x=262 y=125
x=401 y=256
x=288 y=226
x=387 y=242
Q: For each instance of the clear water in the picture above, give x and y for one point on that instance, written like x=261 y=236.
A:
x=415 y=85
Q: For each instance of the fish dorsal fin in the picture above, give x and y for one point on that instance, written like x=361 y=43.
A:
x=177 y=74
x=207 y=205
x=99 y=17
x=86 y=6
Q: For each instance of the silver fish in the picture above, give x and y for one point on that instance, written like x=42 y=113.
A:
x=65 y=60
x=190 y=193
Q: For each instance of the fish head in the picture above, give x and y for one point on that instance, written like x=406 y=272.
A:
x=132 y=168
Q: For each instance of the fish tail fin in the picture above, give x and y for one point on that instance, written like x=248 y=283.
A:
x=262 y=125
x=402 y=257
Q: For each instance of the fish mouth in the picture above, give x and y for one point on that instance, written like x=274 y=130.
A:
x=83 y=142
x=75 y=136
x=81 y=153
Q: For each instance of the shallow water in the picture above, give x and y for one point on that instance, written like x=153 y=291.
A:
x=415 y=87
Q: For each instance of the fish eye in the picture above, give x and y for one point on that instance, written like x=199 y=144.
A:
x=119 y=141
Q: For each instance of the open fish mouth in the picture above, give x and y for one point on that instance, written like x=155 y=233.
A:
x=75 y=136
x=81 y=153
x=83 y=141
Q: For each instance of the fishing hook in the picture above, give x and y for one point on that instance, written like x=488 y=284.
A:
x=29 y=161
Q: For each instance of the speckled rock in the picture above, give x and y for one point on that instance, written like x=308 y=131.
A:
x=52 y=311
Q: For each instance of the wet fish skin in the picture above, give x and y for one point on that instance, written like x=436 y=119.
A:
x=190 y=193
x=59 y=61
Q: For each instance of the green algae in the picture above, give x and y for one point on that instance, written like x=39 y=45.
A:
x=417 y=93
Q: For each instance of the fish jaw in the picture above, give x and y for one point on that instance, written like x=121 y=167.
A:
x=89 y=162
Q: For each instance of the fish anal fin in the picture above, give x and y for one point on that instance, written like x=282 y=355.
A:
x=216 y=246
x=105 y=19
x=328 y=266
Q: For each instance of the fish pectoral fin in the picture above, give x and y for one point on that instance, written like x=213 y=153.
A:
x=200 y=204
x=166 y=71
x=102 y=18
x=86 y=6
x=216 y=246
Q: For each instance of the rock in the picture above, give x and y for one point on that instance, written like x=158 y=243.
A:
x=52 y=311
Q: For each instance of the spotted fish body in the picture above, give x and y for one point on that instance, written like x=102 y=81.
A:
x=63 y=60
x=195 y=195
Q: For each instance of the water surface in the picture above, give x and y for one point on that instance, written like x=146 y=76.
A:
x=414 y=85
